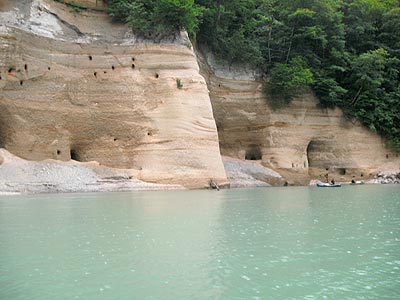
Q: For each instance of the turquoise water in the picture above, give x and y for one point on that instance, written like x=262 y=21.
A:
x=265 y=243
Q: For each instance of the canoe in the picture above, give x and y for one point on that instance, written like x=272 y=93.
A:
x=357 y=183
x=322 y=184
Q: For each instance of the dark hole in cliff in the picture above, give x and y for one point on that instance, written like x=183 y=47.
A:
x=149 y=133
x=48 y=68
x=157 y=75
x=0 y=77
x=362 y=175
x=90 y=57
x=387 y=156
x=112 y=67
x=26 y=67
x=58 y=152
x=95 y=74
x=21 y=82
x=133 y=59
x=115 y=139
x=317 y=155
x=342 y=171
x=133 y=66
x=253 y=153
x=105 y=72
x=219 y=85
x=75 y=155
x=10 y=70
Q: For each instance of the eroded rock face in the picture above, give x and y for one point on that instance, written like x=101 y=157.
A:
x=300 y=141
x=78 y=86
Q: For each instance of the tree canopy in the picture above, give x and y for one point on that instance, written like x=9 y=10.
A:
x=346 y=51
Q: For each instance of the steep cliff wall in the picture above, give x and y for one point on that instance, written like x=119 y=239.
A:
x=75 y=85
x=300 y=141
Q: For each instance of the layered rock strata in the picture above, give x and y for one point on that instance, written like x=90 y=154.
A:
x=301 y=141
x=76 y=86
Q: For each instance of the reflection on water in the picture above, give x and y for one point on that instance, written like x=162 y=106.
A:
x=266 y=243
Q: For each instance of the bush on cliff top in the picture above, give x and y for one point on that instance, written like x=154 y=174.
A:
x=157 y=17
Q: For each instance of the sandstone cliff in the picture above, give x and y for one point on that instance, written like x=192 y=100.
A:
x=301 y=141
x=75 y=85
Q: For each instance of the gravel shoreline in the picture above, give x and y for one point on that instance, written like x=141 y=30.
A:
x=19 y=176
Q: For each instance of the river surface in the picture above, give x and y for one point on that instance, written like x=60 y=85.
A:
x=264 y=243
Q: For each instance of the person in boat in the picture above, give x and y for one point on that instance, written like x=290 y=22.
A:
x=327 y=178
x=353 y=180
x=332 y=181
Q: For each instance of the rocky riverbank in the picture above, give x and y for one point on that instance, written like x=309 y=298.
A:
x=19 y=176
x=392 y=177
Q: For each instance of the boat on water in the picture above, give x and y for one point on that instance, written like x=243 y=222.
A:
x=323 y=184
x=357 y=183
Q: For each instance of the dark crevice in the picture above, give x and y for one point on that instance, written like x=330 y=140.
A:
x=75 y=155
x=253 y=153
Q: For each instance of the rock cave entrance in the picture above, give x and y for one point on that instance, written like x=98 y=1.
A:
x=253 y=153
x=313 y=154
x=2 y=139
x=75 y=155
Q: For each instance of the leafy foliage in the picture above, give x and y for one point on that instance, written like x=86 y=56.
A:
x=288 y=81
x=156 y=17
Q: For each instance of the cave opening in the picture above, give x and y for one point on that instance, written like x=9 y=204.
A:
x=75 y=155
x=310 y=149
x=253 y=153
x=2 y=143
x=342 y=171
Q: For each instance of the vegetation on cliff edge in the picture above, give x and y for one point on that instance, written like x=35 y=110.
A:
x=346 y=51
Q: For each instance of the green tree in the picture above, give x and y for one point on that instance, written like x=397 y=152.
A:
x=288 y=81
x=156 y=17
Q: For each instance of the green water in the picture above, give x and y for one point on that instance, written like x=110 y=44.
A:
x=266 y=243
